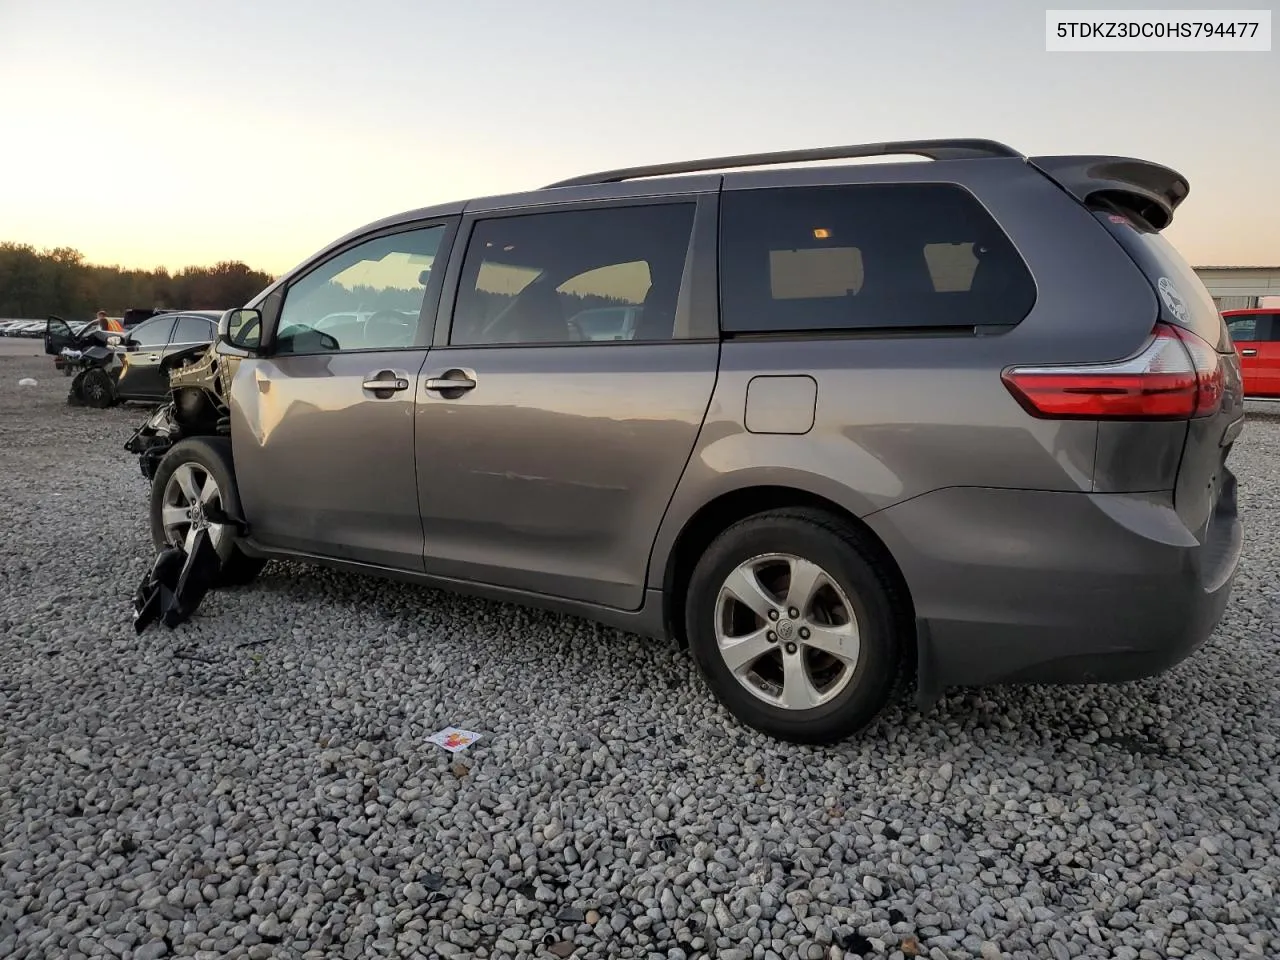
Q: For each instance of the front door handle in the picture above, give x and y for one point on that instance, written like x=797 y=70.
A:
x=152 y=357
x=1248 y=353
x=452 y=381
x=386 y=381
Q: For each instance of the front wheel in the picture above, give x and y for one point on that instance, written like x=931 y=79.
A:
x=192 y=479
x=794 y=627
x=97 y=389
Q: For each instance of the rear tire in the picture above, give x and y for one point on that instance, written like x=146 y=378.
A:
x=814 y=649
x=202 y=459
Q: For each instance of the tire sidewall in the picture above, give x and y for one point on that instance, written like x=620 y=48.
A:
x=879 y=647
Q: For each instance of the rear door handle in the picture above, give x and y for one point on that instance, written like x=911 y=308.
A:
x=152 y=357
x=1248 y=353
x=452 y=380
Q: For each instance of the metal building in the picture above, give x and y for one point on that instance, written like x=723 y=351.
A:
x=1235 y=288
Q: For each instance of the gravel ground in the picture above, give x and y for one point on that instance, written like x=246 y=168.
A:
x=257 y=784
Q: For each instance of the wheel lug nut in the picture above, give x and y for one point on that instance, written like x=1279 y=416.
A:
x=793 y=613
x=773 y=614
x=772 y=637
x=791 y=648
x=804 y=633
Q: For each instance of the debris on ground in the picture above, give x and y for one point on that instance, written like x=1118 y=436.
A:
x=453 y=739
x=28 y=382
x=176 y=583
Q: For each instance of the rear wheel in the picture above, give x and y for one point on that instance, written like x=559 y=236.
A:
x=794 y=627
x=192 y=480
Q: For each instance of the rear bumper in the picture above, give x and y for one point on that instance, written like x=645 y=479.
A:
x=1025 y=586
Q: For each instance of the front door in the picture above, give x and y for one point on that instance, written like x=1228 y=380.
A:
x=322 y=424
x=57 y=336
x=546 y=456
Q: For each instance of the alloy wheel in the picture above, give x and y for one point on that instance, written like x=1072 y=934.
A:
x=188 y=495
x=787 y=631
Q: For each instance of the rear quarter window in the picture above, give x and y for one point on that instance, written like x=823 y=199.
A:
x=1184 y=299
x=866 y=257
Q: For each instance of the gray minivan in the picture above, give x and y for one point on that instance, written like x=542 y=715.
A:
x=957 y=422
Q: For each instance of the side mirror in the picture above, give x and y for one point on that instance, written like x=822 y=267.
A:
x=241 y=329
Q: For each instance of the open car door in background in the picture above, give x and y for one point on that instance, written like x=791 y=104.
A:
x=57 y=336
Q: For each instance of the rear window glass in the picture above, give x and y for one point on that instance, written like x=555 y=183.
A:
x=192 y=330
x=152 y=333
x=1183 y=297
x=866 y=256
x=1244 y=327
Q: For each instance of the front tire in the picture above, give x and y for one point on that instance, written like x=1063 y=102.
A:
x=795 y=626
x=192 y=476
x=97 y=389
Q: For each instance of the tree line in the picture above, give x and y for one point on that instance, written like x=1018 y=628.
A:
x=35 y=283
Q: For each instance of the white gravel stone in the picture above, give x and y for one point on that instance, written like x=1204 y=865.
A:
x=180 y=794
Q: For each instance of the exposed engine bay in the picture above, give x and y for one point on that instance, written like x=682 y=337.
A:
x=197 y=405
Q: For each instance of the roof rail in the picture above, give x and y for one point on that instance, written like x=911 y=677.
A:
x=954 y=149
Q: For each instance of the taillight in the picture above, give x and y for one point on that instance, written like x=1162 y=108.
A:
x=1174 y=377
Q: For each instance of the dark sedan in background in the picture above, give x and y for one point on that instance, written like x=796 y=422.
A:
x=129 y=368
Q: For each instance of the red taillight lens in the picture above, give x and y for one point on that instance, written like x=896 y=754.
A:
x=1211 y=379
x=1175 y=377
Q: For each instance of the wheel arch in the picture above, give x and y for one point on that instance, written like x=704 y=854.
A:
x=719 y=513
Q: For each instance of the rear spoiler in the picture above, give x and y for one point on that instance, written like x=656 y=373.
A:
x=1148 y=189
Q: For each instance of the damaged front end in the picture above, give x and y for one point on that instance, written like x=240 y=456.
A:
x=197 y=406
x=90 y=357
x=182 y=574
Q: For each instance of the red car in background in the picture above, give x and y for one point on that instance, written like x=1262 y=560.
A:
x=1256 y=335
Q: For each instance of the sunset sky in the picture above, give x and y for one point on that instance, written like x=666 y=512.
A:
x=170 y=132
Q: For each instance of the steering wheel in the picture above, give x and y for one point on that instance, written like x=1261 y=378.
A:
x=327 y=342
x=388 y=328
x=246 y=332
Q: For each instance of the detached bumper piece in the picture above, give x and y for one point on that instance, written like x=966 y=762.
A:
x=177 y=582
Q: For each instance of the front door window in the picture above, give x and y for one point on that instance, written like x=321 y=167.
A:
x=366 y=298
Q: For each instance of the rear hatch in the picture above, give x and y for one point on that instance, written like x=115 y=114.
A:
x=1188 y=376
x=1205 y=492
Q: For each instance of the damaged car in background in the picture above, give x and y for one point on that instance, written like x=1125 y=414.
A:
x=108 y=367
